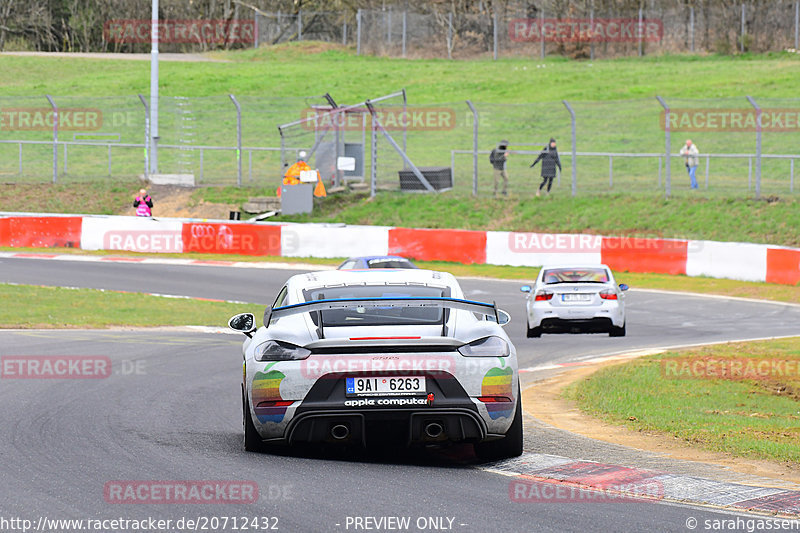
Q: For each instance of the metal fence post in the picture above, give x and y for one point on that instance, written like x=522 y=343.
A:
x=541 y=31
x=66 y=159
x=450 y=35
x=791 y=173
x=344 y=33
x=373 y=152
x=494 y=36
x=691 y=26
x=474 y=148
x=405 y=29
x=299 y=24
x=238 y=140
x=640 y=32
x=668 y=145
x=708 y=163
x=660 y=164
x=389 y=28
x=146 y=136
x=255 y=29
x=796 y=25
x=358 y=32
x=250 y=165
x=758 y=144
x=749 y=172
x=574 y=148
x=591 y=25
x=741 y=39
x=55 y=136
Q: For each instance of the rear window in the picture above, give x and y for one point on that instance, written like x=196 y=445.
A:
x=389 y=263
x=575 y=275
x=378 y=315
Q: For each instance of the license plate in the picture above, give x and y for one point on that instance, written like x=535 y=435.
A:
x=576 y=297
x=379 y=386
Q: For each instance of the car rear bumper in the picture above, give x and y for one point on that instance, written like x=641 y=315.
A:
x=398 y=426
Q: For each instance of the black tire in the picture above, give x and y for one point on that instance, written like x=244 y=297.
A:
x=508 y=446
x=533 y=333
x=617 y=332
x=252 y=440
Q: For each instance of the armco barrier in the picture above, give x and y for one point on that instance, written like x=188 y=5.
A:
x=41 y=232
x=783 y=266
x=741 y=261
x=461 y=246
x=662 y=256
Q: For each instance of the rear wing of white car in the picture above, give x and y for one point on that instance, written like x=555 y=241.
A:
x=487 y=309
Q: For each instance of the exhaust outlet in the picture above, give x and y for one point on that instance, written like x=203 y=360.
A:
x=340 y=431
x=434 y=430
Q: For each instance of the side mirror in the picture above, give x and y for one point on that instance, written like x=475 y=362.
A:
x=243 y=323
x=504 y=317
x=623 y=287
x=525 y=288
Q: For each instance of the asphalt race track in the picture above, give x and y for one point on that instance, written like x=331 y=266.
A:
x=170 y=411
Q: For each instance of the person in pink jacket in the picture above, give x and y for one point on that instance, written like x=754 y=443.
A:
x=143 y=204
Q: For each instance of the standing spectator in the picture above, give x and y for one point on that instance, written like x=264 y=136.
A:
x=550 y=160
x=143 y=204
x=498 y=159
x=691 y=158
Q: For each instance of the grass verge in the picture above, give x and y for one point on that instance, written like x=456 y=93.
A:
x=738 y=398
x=56 y=307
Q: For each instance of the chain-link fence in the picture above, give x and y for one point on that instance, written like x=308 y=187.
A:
x=747 y=147
x=578 y=29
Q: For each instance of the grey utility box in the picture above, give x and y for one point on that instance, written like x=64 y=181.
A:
x=297 y=199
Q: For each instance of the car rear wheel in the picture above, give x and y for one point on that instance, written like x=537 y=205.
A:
x=617 y=331
x=252 y=441
x=508 y=446
x=533 y=332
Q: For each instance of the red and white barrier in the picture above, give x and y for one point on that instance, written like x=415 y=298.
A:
x=741 y=261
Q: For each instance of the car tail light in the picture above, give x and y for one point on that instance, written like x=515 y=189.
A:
x=543 y=296
x=494 y=399
x=608 y=294
x=279 y=403
x=486 y=347
x=280 y=351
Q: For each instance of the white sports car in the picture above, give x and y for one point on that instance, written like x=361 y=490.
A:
x=356 y=357
x=573 y=299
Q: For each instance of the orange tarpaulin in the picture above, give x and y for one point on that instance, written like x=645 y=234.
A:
x=292 y=177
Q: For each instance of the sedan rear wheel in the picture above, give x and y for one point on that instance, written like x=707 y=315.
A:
x=617 y=331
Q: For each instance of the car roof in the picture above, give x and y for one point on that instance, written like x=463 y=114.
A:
x=372 y=257
x=575 y=265
x=373 y=276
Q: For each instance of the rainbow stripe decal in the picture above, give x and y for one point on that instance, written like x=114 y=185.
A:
x=266 y=388
x=497 y=382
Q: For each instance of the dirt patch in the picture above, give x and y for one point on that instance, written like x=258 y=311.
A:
x=543 y=400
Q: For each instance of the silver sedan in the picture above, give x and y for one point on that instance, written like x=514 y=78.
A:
x=575 y=299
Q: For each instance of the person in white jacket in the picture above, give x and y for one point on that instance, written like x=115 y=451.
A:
x=691 y=158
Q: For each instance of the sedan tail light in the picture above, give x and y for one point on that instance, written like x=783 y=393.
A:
x=608 y=294
x=543 y=296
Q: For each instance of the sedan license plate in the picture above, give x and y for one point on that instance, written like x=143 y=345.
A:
x=576 y=297
x=379 y=386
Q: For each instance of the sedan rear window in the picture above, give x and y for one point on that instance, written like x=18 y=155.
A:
x=575 y=275
x=378 y=315
x=390 y=263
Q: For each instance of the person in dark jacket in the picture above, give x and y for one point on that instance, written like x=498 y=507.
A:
x=498 y=159
x=550 y=160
